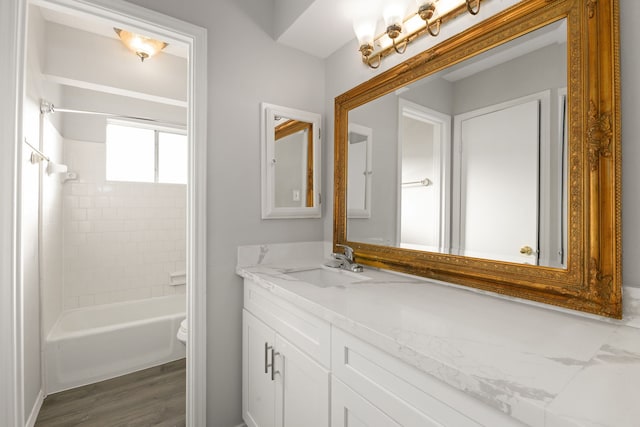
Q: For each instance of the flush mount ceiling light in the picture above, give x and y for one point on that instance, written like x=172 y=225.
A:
x=401 y=29
x=142 y=46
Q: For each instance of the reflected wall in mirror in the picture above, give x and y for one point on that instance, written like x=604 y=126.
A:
x=500 y=147
x=360 y=140
x=290 y=163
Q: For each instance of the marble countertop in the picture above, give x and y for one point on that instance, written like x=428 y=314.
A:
x=542 y=366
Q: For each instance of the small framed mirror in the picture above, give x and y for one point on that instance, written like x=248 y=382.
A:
x=290 y=148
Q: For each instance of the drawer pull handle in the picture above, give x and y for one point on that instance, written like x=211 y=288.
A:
x=267 y=347
x=273 y=363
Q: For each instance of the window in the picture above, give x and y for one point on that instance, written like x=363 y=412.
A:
x=141 y=153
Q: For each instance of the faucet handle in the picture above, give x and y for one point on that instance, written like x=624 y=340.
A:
x=348 y=251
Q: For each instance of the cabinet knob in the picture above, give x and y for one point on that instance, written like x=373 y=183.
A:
x=526 y=250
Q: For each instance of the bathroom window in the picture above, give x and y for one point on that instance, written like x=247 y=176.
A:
x=142 y=153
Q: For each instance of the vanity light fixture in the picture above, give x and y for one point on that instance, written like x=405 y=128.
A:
x=401 y=29
x=144 y=47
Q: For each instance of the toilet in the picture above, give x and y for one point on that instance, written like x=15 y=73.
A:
x=182 y=332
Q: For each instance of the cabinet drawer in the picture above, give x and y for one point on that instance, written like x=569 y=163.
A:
x=306 y=331
x=407 y=395
x=349 y=409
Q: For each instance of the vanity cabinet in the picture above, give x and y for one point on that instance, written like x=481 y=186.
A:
x=298 y=370
x=372 y=388
x=282 y=384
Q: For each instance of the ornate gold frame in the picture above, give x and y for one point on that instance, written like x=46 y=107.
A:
x=592 y=279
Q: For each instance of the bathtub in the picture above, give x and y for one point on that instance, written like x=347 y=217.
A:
x=96 y=343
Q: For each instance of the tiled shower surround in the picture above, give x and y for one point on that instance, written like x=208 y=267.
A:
x=121 y=239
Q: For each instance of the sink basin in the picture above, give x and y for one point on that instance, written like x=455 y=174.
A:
x=325 y=277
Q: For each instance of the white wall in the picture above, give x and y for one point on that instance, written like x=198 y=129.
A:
x=246 y=67
x=30 y=270
x=420 y=205
x=121 y=239
x=91 y=128
x=30 y=193
x=51 y=262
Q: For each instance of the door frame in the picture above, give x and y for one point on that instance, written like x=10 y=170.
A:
x=441 y=164
x=13 y=18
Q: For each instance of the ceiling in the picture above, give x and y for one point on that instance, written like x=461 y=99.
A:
x=301 y=24
x=100 y=27
x=321 y=28
x=317 y=27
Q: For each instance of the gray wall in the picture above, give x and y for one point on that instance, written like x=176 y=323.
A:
x=382 y=117
x=630 y=88
x=245 y=67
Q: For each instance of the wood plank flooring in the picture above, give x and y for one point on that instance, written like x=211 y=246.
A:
x=151 y=397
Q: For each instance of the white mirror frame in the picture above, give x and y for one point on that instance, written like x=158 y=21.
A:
x=268 y=112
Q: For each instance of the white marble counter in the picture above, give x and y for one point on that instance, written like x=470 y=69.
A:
x=542 y=366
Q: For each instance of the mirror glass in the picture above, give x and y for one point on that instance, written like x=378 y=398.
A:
x=360 y=141
x=470 y=160
x=290 y=163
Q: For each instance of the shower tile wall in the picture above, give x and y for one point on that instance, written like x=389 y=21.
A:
x=51 y=261
x=121 y=239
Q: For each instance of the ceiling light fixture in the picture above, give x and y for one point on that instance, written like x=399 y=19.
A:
x=144 y=47
x=400 y=29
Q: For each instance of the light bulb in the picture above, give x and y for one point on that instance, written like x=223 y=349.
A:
x=393 y=13
x=365 y=30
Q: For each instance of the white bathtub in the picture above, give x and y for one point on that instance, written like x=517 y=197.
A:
x=92 y=344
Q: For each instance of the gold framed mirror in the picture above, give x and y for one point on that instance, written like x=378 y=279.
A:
x=586 y=276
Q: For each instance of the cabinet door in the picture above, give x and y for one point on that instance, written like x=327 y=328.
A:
x=302 y=396
x=349 y=409
x=258 y=389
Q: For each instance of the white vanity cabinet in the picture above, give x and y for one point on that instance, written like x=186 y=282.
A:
x=298 y=370
x=374 y=389
x=284 y=383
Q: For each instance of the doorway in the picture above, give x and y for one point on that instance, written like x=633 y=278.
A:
x=145 y=22
x=423 y=178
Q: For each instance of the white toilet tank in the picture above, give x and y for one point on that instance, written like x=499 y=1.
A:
x=182 y=332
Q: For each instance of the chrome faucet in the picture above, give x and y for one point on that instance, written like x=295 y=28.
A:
x=345 y=260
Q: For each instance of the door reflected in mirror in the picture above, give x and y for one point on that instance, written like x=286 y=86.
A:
x=290 y=163
x=471 y=160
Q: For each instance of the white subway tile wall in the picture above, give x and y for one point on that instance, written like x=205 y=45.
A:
x=121 y=239
x=52 y=254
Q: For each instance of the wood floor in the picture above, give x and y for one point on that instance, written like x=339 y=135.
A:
x=152 y=397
